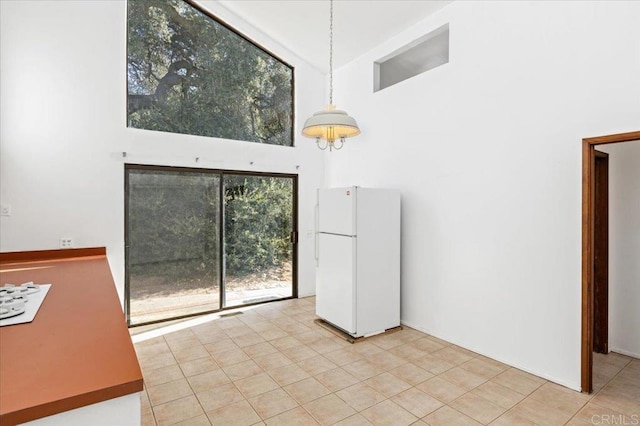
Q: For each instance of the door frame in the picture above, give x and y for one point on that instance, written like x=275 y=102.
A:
x=221 y=173
x=588 y=227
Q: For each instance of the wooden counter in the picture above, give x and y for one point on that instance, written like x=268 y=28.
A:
x=77 y=351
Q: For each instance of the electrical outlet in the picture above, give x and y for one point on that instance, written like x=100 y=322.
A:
x=66 y=242
x=5 y=210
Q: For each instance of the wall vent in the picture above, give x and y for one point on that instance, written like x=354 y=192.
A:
x=230 y=314
x=423 y=54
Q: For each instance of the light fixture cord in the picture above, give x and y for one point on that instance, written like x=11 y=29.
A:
x=331 y=52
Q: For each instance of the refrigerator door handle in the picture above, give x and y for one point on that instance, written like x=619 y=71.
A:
x=316 y=240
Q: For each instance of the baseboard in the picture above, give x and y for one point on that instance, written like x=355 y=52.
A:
x=572 y=386
x=623 y=352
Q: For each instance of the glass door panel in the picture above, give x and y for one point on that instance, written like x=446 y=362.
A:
x=259 y=222
x=173 y=240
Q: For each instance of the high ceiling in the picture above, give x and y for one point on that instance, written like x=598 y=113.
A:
x=359 y=25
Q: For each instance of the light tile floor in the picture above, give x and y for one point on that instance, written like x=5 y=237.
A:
x=273 y=365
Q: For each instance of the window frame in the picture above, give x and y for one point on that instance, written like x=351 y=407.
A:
x=221 y=255
x=240 y=34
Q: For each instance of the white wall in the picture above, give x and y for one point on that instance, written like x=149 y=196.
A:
x=624 y=247
x=487 y=153
x=63 y=85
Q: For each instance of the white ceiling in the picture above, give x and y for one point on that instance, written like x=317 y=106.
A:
x=358 y=25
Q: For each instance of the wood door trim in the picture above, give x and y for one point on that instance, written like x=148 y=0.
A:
x=588 y=182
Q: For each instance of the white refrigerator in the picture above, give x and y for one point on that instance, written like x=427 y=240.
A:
x=358 y=259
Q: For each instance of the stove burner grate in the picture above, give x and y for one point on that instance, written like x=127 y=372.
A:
x=14 y=297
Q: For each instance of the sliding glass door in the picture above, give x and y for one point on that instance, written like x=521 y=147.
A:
x=258 y=227
x=173 y=244
x=202 y=240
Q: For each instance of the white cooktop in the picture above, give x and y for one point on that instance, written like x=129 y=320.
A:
x=19 y=304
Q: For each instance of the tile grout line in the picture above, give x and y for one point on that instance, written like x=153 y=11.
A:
x=194 y=392
x=605 y=386
x=364 y=355
x=523 y=399
x=592 y=396
x=147 y=389
x=447 y=404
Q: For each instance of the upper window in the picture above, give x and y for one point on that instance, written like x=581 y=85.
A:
x=188 y=72
x=421 y=55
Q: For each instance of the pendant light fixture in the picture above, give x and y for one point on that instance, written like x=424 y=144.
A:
x=332 y=124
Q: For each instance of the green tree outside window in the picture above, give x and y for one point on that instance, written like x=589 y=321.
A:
x=188 y=73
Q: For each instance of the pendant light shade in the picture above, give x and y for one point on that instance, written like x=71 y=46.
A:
x=330 y=124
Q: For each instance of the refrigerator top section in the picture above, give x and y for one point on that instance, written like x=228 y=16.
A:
x=340 y=209
x=337 y=211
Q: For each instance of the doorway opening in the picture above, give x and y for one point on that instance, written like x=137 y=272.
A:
x=200 y=241
x=593 y=166
x=601 y=254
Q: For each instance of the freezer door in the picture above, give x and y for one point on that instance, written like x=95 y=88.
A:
x=337 y=211
x=335 y=290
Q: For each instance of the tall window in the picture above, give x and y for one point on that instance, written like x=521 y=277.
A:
x=190 y=73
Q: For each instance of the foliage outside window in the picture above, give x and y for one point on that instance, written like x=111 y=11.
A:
x=258 y=223
x=188 y=73
x=203 y=240
x=173 y=217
